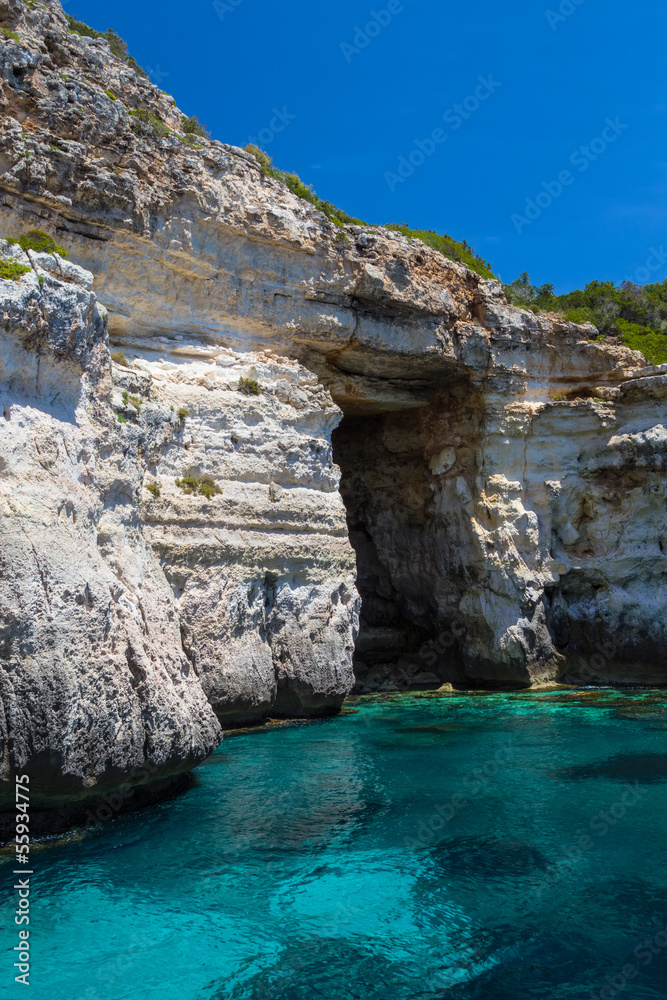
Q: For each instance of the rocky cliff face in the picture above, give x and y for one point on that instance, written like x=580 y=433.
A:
x=503 y=473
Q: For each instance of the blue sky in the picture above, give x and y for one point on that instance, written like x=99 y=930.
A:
x=354 y=103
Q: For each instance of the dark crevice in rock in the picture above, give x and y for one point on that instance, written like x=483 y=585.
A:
x=395 y=621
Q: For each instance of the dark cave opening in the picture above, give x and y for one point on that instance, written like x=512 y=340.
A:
x=385 y=488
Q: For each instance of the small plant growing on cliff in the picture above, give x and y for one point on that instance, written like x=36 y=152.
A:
x=114 y=41
x=193 y=127
x=121 y=418
x=10 y=270
x=154 y=488
x=560 y=398
x=119 y=358
x=205 y=486
x=134 y=401
x=250 y=387
x=39 y=242
x=110 y=94
x=147 y=124
x=182 y=412
x=9 y=35
x=294 y=183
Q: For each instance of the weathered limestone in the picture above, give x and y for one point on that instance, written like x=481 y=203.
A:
x=95 y=685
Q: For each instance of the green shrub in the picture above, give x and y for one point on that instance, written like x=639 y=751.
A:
x=110 y=94
x=560 y=398
x=147 y=124
x=11 y=270
x=9 y=35
x=115 y=42
x=192 y=126
x=250 y=387
x=134 y=401
x=42 y=280
x=634 y=314
x=39 y=242
x=121 y=419
x=154 y=488
x=203 y=485
x=182 y=412
x=448 y=247
x=119 y=358
x=191 y=141
x=301 y=190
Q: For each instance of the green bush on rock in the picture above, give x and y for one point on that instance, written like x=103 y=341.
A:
x=294 y=183
x=147 y=124
x=39 y=242
x=450 y=248
x=11 y=270
x=636 y=315
x=193 y=127
x=250 y=387
x=203 y=485
x=115 y=42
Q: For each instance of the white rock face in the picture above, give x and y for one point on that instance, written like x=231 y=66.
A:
x=263 y=573
x=95 y=685
x=124 y=613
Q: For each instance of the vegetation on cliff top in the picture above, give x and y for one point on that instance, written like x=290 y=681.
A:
x=301 y=190
x=635 y=314
x=448 y=247
x=462 y=253
x=115 y=42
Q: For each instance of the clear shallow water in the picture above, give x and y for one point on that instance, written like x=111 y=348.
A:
x=420 y=847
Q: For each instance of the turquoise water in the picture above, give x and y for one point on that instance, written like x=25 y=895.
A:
x=497 y=846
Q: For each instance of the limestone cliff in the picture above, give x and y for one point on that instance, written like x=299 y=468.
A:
x=503 y=473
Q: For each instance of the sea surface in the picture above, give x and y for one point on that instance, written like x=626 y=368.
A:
x=492 y=846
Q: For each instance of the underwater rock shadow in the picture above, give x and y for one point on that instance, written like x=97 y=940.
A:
x=484 y=858
x=649 y=768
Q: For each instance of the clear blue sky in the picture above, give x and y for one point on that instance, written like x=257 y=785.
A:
x=555 y=81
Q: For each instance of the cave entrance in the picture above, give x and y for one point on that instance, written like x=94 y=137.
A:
x=387 y=489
